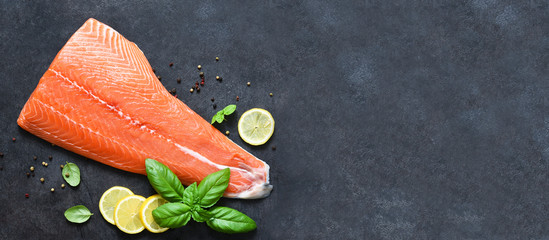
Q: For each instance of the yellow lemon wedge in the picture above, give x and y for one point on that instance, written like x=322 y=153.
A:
x=256 y=126
x=109 y=199
x=126 y=214
x=145 y=213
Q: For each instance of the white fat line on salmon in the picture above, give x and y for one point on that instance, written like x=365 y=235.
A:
x=106 y=139
x=152 y=131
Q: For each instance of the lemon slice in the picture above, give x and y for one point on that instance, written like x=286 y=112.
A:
x=145 y=213
x=126 y=214
x=256 y=126
x=110 y=198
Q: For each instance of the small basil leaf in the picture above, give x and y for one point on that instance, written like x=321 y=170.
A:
x=190 y=195
x=212 y=187
x=71 y=174
x=172 y=215
x=220 y=118
x=228 y=110
x=228 y=220
x=78 y=214
x=200 y=215
x=164 y=181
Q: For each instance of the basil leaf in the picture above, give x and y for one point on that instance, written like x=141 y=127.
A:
x=172 y=215
x=78 y=214
x=220 y=115
x=164 y=181
x=190 y=195
x=228 y=220
x=228 y=110
x=71 y=174
x=212 y=187
x=200 y=215
x=220 y=118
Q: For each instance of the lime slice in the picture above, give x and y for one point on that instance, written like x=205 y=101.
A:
x=256 y=126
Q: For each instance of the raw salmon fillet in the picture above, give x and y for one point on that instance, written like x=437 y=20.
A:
x=100 y=99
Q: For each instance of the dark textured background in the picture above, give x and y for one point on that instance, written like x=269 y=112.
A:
x=394 y=119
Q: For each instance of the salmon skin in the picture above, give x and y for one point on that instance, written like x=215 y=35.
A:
x=101 y=99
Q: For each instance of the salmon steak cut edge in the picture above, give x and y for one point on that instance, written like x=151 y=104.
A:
x=101 y=99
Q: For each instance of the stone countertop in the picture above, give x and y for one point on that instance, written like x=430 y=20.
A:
x=394 y=119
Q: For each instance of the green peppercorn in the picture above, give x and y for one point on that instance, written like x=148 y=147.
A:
x=67 y=175
x=63 y=185
x=248 y=83
x=42 y=180
x=32 y=168
x=199 y=67
x=217 y=58
x=227 y=132
x=52 y=190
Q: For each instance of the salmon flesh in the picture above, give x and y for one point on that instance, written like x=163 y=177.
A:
x=101 y=99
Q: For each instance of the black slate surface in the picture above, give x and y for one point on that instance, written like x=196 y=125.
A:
x=394 y=119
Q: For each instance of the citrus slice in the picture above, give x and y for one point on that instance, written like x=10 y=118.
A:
x=110 y=198
x=256 y=126
x=126 y=214
x=145 y=213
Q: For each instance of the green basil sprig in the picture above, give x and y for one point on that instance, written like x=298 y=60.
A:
x=192 y=202
x=78 y=214
x=219 y=117
x=71 y=174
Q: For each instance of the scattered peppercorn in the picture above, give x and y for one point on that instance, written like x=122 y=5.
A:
x=61 y=166
x=199 y=67
x=32 y=174
x=34 y=157
x=1 y=154
x=192 y=90
x=67 y=175
x=217 y=58
x=63 y=185
x=28 y=174
x=178 y=80
x=1 y=168
x=13 y=139
x=26 y=195
x=198 y=89
x=271 y=94
x=154 y=70
x=171 y=64
x=159 y=78
x=175 y=95
x=215 y=106
x=50 y=157
x=213 y=99
x=248 y=83
x=273 y=147
x=237 y=98
x=42 y=180
x=52 y=190
x=201 y=74
x=53 y=145
x=202 y=83
x=32 y=168
x=227 y=132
